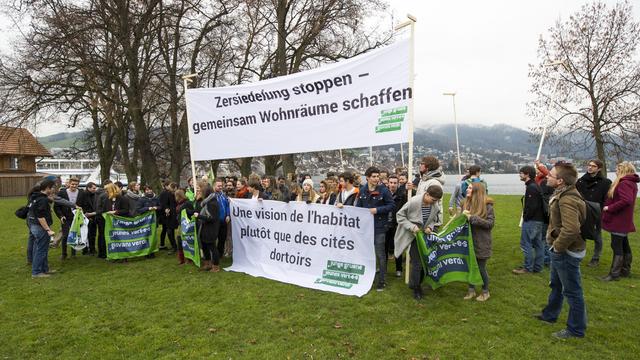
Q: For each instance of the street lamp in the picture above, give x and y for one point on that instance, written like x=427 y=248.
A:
x=455 y=121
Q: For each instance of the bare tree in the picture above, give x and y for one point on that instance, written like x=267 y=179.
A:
x=587 y=84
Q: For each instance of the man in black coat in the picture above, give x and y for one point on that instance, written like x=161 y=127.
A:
x=593 y=186
x=87 y=201
x=399 y=195
x=532 y=224
x=100 y=205
x=72 y=193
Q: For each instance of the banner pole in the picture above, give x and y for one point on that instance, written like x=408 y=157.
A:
x=187 y=80
x=411 y=22
x=370 y=155
x=544 y=133
x=402 y=153
x=341 y=162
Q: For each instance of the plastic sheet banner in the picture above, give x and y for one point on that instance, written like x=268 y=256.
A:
x=448 y=255
x=128 y=237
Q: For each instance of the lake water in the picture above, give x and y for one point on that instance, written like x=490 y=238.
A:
x=499 y=184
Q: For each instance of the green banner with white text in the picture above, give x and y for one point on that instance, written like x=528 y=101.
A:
x=189 y=238
x=448 y=255
x=128 y=237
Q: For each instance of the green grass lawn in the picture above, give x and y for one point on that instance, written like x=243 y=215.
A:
x=156 y=309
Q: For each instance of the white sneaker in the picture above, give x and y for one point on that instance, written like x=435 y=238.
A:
x=398 y=273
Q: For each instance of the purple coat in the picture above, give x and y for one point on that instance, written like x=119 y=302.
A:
x=619 y=215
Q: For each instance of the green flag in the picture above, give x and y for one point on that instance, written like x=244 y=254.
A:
x=448 y=255
x=74 y=237
x=130 y=237
x=189 y=238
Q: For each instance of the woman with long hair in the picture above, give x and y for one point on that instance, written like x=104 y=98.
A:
x=617 y=218
x=206 y=211
x=307 y=194
x=327 y=195
x=478 y=208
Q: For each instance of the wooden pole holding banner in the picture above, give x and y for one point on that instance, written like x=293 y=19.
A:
x=187 y=79
x=402 y=154
x=411 y=22
x=341 y=162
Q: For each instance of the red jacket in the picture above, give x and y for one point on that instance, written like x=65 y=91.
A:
x=619 y=215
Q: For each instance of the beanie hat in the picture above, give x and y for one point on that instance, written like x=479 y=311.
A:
x=308 y=181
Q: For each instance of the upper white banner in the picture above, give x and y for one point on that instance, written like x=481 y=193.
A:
x=358 y=102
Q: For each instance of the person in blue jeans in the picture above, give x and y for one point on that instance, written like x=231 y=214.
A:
x=568 y=248
x=39 y=219
x=378 y=199
x=532 y=224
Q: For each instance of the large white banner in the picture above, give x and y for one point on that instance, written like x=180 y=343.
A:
x=311 y=245
x=359 y=102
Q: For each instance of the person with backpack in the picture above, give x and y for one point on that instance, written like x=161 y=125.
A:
x=567 y=214
x=594 y=186
x=617 y=218
x=40 y=220
x=532 y=224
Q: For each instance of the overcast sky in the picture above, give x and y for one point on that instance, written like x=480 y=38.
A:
x=478 y=49
x=481 y=51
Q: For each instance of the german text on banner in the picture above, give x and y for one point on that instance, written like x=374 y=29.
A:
x=358 y=102
x=448 y=255
x=189 y=238
x=310 y=245
x=130 y=237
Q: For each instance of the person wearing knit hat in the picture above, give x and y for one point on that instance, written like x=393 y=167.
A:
x=307 y=194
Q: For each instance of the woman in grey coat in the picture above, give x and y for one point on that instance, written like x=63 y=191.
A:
x=478 y=208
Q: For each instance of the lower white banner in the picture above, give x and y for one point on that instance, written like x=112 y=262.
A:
x=310 y=245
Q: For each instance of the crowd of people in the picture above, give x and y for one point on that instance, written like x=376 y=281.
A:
x=554 y=208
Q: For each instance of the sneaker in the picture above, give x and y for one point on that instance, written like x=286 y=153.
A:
x=40 y=275
x=565 y=334
x=483 y=297
x=398 y=273
x=470 y=295
x=520 y=271
x=541 y=318
x=51 y=272
x=162 y=248
x=593 y=263
x=381 y=285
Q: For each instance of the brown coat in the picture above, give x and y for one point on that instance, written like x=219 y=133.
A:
x=481 y=233
x=567 y=211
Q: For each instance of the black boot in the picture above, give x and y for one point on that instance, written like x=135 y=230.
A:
x=417 y=293
x=616 y=267
x=626 y=265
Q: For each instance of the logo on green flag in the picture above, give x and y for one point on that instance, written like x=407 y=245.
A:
x=130 y=237
x=189 y=238
x=448 y=255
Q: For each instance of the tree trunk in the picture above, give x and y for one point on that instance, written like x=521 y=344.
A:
x=271 y=164
x=288 y=164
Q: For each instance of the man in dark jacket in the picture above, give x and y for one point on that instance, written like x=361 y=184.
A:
x=87 y=201
x=568 y=248
x=39 y=220
x=72 y=193
x=593 y=186
x=399 y=196
x=532 y=224
x=377 y=198
x=101 y=207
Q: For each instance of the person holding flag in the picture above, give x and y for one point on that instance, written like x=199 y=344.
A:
x=478 y=208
